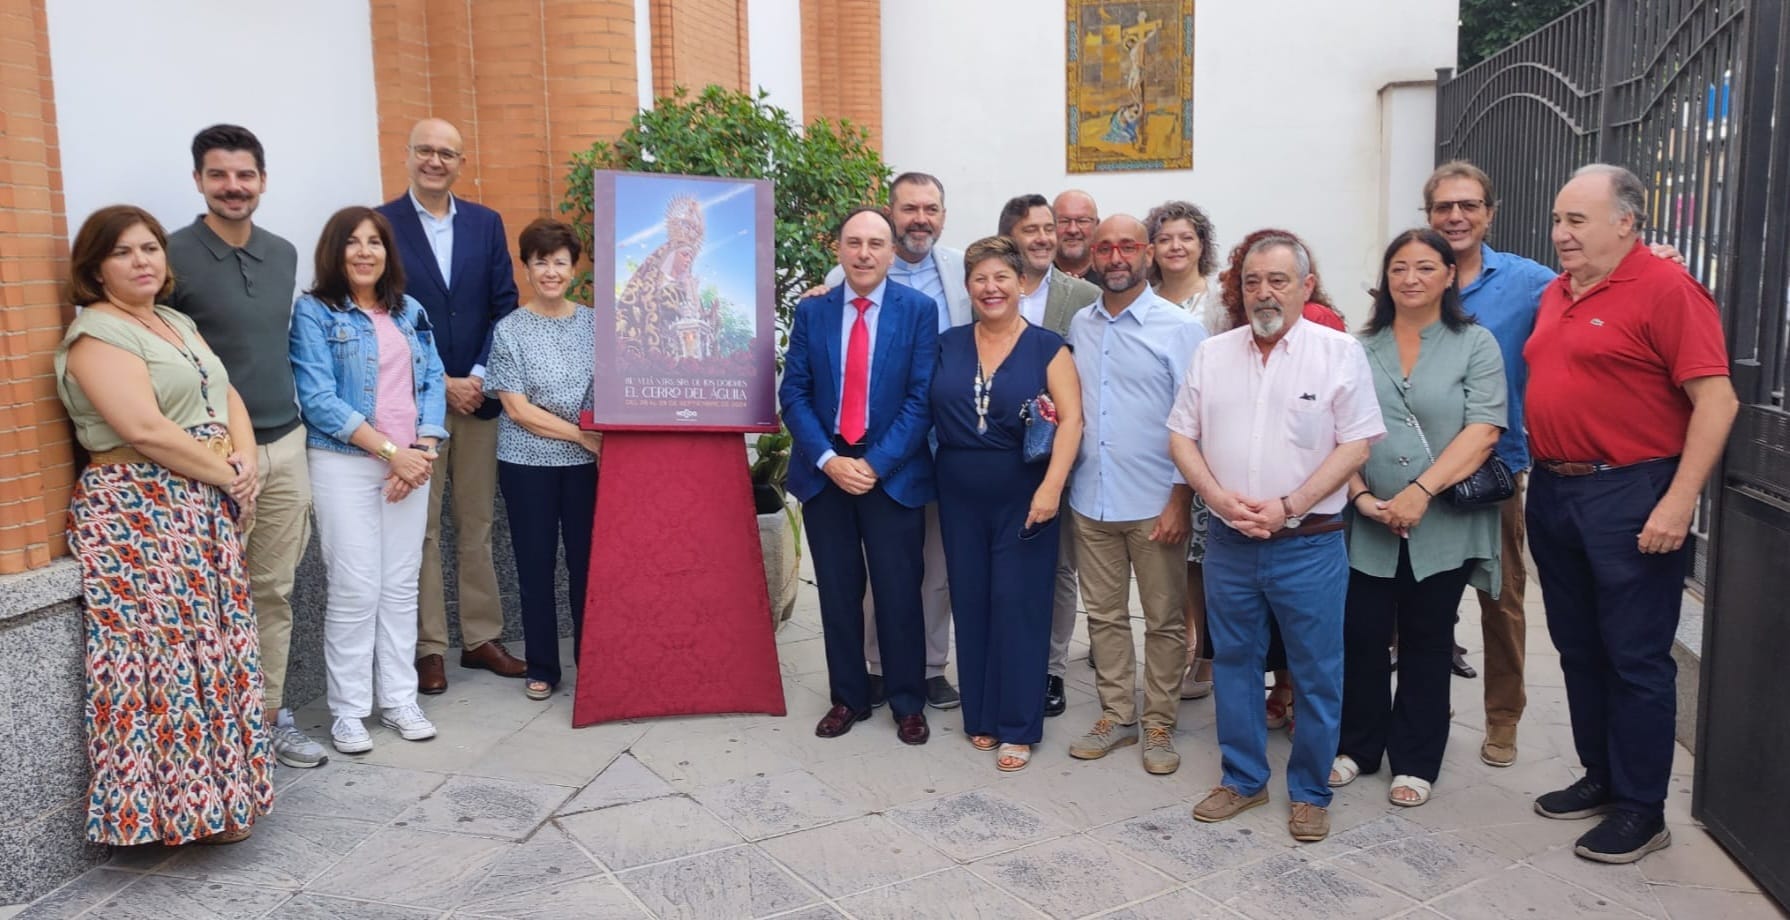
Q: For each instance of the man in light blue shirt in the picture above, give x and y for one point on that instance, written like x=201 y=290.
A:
x=1131 y=509
x=1503 y=291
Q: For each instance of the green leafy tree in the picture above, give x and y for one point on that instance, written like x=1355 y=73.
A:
x=1488 y=26
x=818 y=173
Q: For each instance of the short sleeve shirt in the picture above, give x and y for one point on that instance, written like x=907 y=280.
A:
x=549 y=362
x=188 y=394
x=1607 y=371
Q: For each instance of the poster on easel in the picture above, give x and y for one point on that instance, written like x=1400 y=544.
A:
x=682 y=274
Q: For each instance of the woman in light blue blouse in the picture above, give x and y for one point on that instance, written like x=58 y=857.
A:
x=540 y=369
x=1440 y=382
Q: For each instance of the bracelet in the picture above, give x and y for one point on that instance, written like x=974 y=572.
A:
x=1357 y=496
x=387 y=451
x=1425 y=488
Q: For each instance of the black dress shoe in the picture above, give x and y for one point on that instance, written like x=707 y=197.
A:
x=1623 y=837
x=940 y=694
x=1583 y=799
x=912 y=729
x=877 y=697
x=1460 y=666
x=838 y=721
x=1055 y=700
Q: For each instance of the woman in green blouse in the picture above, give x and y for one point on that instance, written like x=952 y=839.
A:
x=1441 y=386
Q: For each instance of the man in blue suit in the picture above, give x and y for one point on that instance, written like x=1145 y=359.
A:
x=457 y=261
x=855 y=399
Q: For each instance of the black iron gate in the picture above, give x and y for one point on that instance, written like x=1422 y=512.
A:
x=1692 y=96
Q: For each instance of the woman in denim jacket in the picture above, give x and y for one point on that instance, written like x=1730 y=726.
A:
x=373 y=396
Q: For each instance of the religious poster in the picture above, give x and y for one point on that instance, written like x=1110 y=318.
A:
x=1130 y=104
x=682 y=280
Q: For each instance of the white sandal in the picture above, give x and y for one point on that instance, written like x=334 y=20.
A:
x=1419 y=786
x=1343 y=771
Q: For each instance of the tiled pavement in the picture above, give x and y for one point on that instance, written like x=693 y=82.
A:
x=512 y=814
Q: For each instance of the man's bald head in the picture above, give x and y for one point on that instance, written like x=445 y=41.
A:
x=434 y=159
x=1076 y=217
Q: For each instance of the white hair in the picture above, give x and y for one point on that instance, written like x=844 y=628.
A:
x=1625 y=188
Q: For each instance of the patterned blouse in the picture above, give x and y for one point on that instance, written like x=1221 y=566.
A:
x=549 y=361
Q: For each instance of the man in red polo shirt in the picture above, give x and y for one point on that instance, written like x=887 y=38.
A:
x=1628 y=407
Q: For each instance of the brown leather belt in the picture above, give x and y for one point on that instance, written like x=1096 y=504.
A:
x=1313 y=524
x=1582 y=468
x=219 y=445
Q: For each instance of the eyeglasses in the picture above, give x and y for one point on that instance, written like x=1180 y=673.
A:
x=1126 y=248
x=1082 y=222
x=444 y=154
x=1277 y=282
x=1469 y=207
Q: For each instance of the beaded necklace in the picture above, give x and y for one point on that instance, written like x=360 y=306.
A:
x=192 y=356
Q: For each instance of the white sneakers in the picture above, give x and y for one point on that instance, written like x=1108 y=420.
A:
x=409 y=722
x=350 y=736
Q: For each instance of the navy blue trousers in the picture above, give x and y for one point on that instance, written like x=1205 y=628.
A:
x=548 y=505
x=869 y=540
x=1003 y=581
x=1612 y=612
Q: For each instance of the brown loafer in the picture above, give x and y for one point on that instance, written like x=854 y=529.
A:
x=1500 y=747
x=1224 y=803
x=1309 y=823
x=431 y=675
x=493 y=657
x=838 y=721
x=912 y=729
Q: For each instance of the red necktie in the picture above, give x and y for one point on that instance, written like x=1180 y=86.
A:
x=854 y=406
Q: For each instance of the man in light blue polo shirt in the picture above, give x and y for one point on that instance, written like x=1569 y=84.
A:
x=1503 y=291
x=1131 y=509
x=917 y=206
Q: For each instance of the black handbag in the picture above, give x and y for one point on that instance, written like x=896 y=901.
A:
x=1040 y=416
x=1488 y=485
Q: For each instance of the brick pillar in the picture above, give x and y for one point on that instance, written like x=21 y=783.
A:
x=36 y=447
x=842 y=63
x=699 y=42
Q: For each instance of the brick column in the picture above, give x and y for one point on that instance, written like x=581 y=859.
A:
x=699 y=42
x=36 y=447
x=842 y=63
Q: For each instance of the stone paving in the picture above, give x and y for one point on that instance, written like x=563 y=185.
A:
x=512 y=814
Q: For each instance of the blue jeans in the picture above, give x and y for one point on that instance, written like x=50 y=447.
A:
x=1300 y=582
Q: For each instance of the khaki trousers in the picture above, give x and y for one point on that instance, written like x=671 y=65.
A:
x=274 y=543
x=1501 y=620
x=469 y=458
x=1107 y=553
x=935 y=606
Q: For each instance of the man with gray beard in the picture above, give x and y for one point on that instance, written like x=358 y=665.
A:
x=1270 y=421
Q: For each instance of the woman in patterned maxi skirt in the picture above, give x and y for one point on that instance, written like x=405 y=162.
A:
x=176 y=742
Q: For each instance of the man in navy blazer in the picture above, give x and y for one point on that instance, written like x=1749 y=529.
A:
x=864 y=473
x=456 y=258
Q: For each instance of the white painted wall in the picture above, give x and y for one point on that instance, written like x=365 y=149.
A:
x=1286 y=123
x=135 y=81
x=643 y=51
x=774 y=28
x=1407 y=111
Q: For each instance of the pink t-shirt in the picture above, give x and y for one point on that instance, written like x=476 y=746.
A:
x=394 y=401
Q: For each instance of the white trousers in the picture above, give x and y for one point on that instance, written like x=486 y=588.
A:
x=373 y=550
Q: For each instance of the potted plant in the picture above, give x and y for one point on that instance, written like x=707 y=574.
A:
x=779 y=523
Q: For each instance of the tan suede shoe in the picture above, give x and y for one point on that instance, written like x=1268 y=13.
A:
x=1500 y=747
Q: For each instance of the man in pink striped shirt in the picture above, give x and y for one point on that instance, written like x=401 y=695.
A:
x=1270 y=422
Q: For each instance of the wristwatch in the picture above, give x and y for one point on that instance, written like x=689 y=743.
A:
x=387 y=451
x=1293 y=520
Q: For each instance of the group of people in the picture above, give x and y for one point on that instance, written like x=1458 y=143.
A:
x=983 y=440
x=1075 y=403
x=218 y=415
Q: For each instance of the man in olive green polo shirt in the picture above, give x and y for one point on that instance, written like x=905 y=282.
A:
x=237 y=281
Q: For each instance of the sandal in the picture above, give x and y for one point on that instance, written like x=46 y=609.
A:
x=1279 y=711
x=224 y=838
x=1013 y=757
x=1343 y=771
x=984 y=742
x=537 y=689
x=1410 y=784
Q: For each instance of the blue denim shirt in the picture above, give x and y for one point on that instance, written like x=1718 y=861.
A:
x=335 y=363
x=1505 y=298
